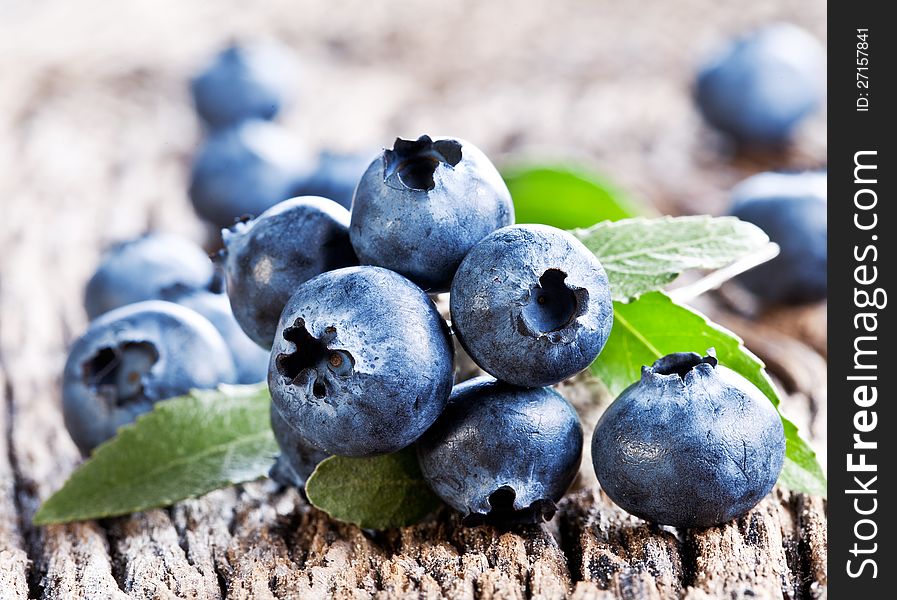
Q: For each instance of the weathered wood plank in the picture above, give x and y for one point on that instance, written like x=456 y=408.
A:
x=68 y=561
x=762 y=554
x=150 y=561
x=13 y=557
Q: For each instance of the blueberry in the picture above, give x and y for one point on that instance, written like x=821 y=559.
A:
x=502 y=454
x=791 y=209
x=248 y=81
x=143 y=268
x=298 y=458
x=531 y=305
x=245 y=170
x=250 y=359
x=132 y=357
x=335 y=177
x=420 y=207
x=265 y=259
x=693 y=444
x=763 y=84
x=362 y=362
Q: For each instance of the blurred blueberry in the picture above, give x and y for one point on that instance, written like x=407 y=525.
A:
x=420 y=207
x=791 y=209
x=245 y=170
x=244 y=81
x=132 y=357
x=760 y=87
x=250 y=359
x=335 y=177
x=502 y=454
x=143 y=268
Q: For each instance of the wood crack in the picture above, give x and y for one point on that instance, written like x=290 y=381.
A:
x=17 y=575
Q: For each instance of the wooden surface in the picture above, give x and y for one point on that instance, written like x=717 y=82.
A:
x=95 y=135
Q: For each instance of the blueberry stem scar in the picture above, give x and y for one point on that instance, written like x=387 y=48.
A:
x=121 y=369
x=311 y=357
x=681 y=363
x=552 y=304
x=414 y=162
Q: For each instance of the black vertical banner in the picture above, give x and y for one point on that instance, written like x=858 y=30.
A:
x=862 y=179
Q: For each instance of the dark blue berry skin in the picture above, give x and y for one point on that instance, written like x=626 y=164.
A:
x=692 y=444
x=143 y=269
x=763 y=85
x=335 y=177
x=502 y=454
x=250 y=359
x=298 y=458
x=420 y=207
x=249 y=81
x=362 y=362
x=531 y=305
x=245 y=170
x=793 y=211
x=132 y=357
x=265 y=259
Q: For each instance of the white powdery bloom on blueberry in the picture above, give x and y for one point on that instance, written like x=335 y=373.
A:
x=421 y=206
x=692 y=444
x=132 y=357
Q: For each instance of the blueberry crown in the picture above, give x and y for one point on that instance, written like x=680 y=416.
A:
x=681 y=364
x=414 y=162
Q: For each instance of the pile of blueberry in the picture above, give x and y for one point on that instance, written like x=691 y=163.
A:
x=361 y=363
x=335 y=309
x=161 y=326
x=248 y=163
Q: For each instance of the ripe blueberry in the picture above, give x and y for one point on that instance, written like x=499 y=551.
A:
x=420 y=207
x=248 y=81
x=531 y=305
x=693 y=444
x=298 y=458
x=764 y=84
x=791 y=209
x=266 y=258
x=245 y=170
x=362 y=362
x=143 y=268
x=502 y=454
x=132 y=357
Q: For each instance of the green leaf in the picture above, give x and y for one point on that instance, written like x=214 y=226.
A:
x=801 y=470
x=374 y=493
x=565 y=197
x=642 y=255
x=654 y=326
x=185 y=447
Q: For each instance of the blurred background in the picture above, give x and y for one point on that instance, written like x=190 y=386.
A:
x=94 y=100
x=97 y=129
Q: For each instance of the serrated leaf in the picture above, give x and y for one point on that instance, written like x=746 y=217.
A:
x=565 y=197
x=184 y=447
x=654 y=326
x=373 y=493
x=642 y=255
